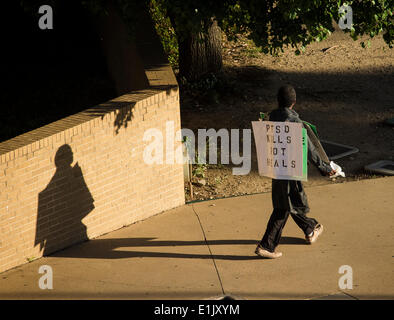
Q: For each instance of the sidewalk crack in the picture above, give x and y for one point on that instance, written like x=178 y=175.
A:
x=209 y=248
x=349 y=295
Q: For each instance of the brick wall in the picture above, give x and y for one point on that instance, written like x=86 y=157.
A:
x=84 y=175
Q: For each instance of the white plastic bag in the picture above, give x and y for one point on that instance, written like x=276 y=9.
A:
x=338 y=170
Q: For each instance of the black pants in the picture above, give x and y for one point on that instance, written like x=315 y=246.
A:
x=276 y=223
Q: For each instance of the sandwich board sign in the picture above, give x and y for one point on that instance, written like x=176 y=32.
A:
x=282 y=149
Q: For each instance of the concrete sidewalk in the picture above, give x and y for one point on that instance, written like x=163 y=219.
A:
x=206 y=250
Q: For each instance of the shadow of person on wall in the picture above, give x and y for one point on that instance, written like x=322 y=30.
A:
x=62 y=205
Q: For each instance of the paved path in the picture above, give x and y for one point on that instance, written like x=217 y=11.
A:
x=206 y=250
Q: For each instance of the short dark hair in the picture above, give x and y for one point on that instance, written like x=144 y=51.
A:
x=286 y=96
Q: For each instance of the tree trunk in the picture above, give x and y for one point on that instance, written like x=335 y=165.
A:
x=201 y=54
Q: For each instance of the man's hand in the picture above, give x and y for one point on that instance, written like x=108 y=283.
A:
x=332 y=173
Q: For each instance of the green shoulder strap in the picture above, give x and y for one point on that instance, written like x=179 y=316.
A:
x=263 y=116
x=312 y=126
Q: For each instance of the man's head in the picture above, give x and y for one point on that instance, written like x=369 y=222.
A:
x=286 y=97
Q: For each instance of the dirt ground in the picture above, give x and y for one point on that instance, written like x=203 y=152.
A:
x=345 y=91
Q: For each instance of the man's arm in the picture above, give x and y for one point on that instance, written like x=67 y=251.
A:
x=314 y=156
x=313 y=153
x=316 y=153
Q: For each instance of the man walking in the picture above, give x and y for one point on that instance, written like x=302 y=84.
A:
x=288 y=196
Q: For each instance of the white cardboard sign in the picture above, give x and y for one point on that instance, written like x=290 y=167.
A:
x=281 y=149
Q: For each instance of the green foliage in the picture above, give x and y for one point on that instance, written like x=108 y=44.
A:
x=271 y=24
x=372 y=18
x=206 y=83
x=165 y=31
x=208 y=89
x=199 y=170
x=298 y=23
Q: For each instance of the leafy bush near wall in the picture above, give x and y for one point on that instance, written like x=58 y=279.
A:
x=165 y=31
